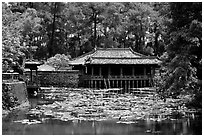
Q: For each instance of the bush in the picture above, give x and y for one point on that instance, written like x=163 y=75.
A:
x=8 y=99
x=59 y=61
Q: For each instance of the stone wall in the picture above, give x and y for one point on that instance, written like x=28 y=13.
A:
x=16 y=89
x=69 y=78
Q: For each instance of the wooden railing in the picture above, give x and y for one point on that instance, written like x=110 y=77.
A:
x=138 y=77
x=10 y=76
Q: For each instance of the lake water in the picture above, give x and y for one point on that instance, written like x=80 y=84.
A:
x=57 y=127
x=53 y=126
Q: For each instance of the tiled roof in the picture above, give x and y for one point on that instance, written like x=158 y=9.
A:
x=114 y=56
x=125 y=61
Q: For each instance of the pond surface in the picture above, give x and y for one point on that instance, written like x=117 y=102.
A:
x=52 y=126
x=56 y=127
x=79 y=112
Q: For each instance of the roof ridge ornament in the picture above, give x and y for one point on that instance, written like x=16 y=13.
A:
x=88 y=60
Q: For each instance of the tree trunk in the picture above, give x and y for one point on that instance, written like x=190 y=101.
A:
x=95 y=22
x=53 y=31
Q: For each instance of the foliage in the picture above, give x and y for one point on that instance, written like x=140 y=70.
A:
x=180 y=64
x=77 y=28
x=18 y=30
x=59 y=61
x=8 y=100
x=11 y=36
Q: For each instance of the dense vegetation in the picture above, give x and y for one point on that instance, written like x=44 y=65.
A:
x=8 y=99
x=171 y=31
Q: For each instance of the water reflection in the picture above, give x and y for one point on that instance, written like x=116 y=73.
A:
x=57 y=127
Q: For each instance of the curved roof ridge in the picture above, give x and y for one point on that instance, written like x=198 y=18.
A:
x=88 y=53
x=112 y=48
x=137 y=53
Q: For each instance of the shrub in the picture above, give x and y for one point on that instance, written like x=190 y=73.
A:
x=8 y=99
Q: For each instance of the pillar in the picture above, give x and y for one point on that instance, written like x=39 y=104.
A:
x=92 y=70
x=105 y=83
x=133 y=84
x=109 y=71
x=129 y=85
x=85 y=69
x=144 y=83
x=117 y=83
x=109 y=86
x=121 y=72
x=121 y=84
x=140 y=83
x=91 y=83
x=36 y=78
x=94 y=83
x=100 y=71
x=144 y=70
x=137 y=83
x=133 y=71
x=31 y=79
x=99 y=83
x=125 y=84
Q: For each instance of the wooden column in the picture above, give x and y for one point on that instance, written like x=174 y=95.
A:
x=133 y=84
x=144 y=70
x=121 y=84
x=117 y=83
x=136 y=83
x=31 y=73
x=91 y=83
x=144 y=83
x=121 y=71
x=85 y=69
x=95 y=83
x=126 y=84
x=140 y=83
x=129 y=85
x=92 y=70
x=133 y=71
x=109 y=71
x=100 y=71
x=99 y=84
x=109 y=86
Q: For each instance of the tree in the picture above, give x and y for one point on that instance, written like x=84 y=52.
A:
x=179 y=60
x=11 y=35
x=77 y=28
x=59 y=61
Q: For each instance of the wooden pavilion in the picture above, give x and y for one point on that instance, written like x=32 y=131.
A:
x=115 y=68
